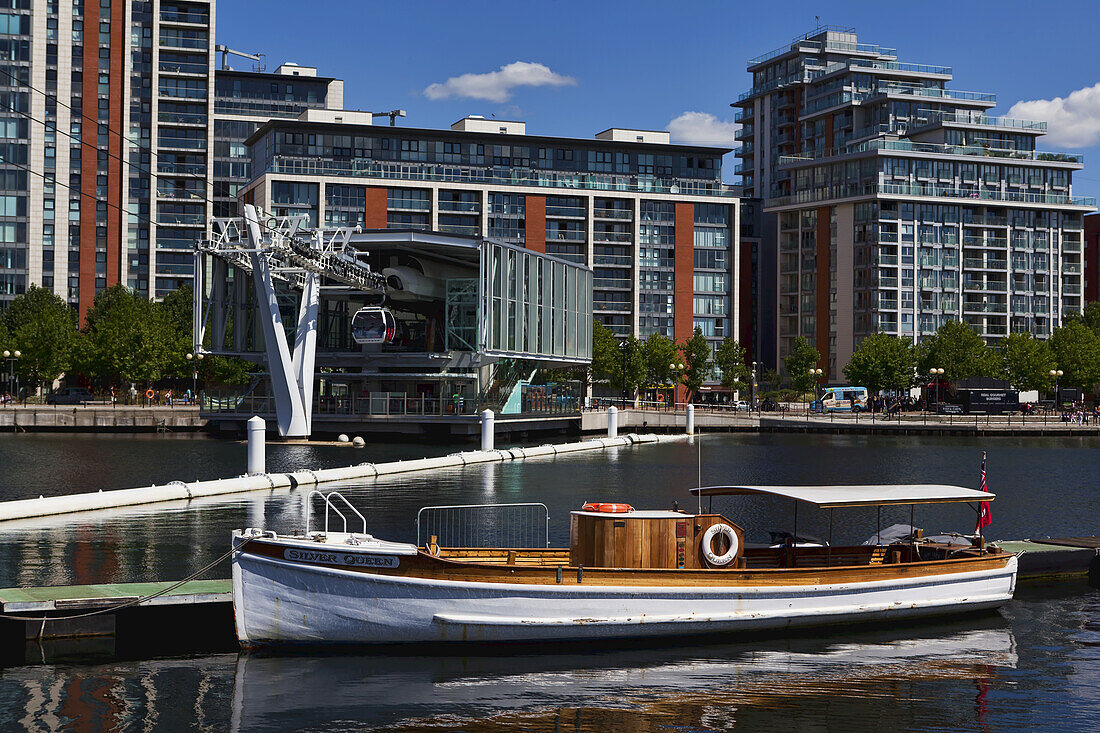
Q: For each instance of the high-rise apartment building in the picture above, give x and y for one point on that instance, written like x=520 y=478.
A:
x=244 y=100
x=894 y=203
x=105 y=167
x=653 y=219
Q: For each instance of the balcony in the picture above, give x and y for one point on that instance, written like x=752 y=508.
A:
x=613 y=237
x=575 y=212
x=365 y=168
x=625 y=214
x=174 y=16
x=613 y=283
x=459 y=207
x=613 y=260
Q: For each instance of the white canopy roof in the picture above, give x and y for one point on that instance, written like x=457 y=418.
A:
x=831 y=497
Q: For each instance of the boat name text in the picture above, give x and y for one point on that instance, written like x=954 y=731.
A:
x=346 y=558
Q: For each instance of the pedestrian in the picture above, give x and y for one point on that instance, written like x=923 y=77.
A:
x=168 y=397
x=133 y=394
x=113 y=400
x=187 y=396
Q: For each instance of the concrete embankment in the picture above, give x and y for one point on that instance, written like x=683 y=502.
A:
x=98 y=418
x=179 y=490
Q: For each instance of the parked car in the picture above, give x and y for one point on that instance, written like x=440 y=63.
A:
x=741 y=405
x=69 y=396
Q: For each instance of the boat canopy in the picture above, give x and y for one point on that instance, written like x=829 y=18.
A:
x=833 y=497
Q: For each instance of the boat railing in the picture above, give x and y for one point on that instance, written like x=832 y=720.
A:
x=330 y=506
x=485 y=525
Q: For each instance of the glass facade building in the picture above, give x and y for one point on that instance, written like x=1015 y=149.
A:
x=897 y=203
x=105 y=174
x=653 y=220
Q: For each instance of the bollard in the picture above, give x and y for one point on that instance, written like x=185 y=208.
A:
x=257 y=437
x=689 y=422
x=612 y=422
x=488 y=425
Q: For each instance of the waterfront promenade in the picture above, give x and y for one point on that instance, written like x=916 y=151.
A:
x=99 y=417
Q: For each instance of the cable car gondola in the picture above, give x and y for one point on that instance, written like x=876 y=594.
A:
x=373 y=325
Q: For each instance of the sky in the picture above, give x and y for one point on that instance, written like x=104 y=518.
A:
x=575 y=68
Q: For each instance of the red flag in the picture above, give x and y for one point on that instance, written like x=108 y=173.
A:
x=985 y=518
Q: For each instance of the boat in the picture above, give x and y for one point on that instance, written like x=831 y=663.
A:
x=627 y=574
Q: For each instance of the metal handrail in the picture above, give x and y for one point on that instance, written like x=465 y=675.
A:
x=329 y=505
x=483 y=506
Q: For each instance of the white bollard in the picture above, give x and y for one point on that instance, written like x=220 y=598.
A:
x=689 y=423
x=613 y=422
x=257 y=445
x=488 y=425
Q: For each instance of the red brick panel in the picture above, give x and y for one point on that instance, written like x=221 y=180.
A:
x=115 y=176
x=744 y=301
x=88 y=158
x=535 y=224
x=1092 y=258
x=683 y=302
x=821 y=331
x=375 y=215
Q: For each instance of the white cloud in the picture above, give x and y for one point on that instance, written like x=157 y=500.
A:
x=1073 y=120
x=497 y=86
x=702 y=128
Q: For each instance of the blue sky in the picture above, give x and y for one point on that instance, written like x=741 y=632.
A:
x=575 y=68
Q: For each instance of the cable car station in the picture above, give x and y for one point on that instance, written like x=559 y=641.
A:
x=388 y=330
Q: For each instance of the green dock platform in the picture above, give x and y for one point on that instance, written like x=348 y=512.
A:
x=89 y=597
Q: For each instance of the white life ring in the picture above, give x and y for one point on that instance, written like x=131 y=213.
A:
x=725 y=559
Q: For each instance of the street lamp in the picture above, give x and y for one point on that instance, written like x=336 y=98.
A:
x=1057 y=374
x=752 y=387
x=936 y=374
x=10 y=357
x=195 y=374
x=815 y=374
x=676 y=368
x=624 y=346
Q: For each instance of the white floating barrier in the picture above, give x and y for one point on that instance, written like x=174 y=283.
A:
x=178 y=490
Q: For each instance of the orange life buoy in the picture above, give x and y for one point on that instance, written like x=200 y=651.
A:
x=150 y=393
x=607 y=508
x=660 y=397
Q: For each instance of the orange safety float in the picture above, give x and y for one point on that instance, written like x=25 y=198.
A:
x=150 y=393
x=606 y=507
x=660 y=396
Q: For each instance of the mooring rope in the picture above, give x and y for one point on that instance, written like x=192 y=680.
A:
x=131 y=602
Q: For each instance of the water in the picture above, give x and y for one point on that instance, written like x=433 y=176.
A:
x=1035 y=663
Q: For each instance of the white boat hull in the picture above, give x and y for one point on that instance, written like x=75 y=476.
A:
x=278 y=601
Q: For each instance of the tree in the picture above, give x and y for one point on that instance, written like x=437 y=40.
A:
x=43 y=328
x=959 y=351
x=772 y=379
x=1091 y=317
x=660 y=352
x=175 y=316
x=798 y=363
x=605 y=352
x=124 y=339
x=881 y=362
x=730 y=358
x=696 y=353
x=1026 y=362
x=1076 y=351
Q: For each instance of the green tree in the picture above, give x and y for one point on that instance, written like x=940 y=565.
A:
x=660 y=352
x=43 y=328
x=730 y=358
x=1076 y=351
x=1026 y=361
x=174 y=314
x=696 y=351
x=772 y=379
x=1091 y=316
x=605 y=352
x=959 y=351
x=798 y=363
x=124 y=339
x=881 y=362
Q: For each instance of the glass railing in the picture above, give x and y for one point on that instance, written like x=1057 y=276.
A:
x=183 y=143
x=616 y=237
x=935 y=148
x=180 y=118
x=175 y=67
x=173 y=16
x=516 y=177
x=459 y=207
x=472 y=230
x=968 y=118
x=185 y=169
x=918 y=189
x=934 y=92
x=574 y=211
x=612 y=214
x=610 y=282
x=616 y=260
x=899 y=66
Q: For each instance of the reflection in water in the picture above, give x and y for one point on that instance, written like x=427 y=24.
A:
x=696 y=686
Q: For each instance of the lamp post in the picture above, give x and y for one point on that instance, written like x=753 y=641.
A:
x=10 y=357
x=196 y=358
x=937 y=374
x=1057 y=374
x=624 y=346
x=752 y=387
x=815 y=374
x=676 y=369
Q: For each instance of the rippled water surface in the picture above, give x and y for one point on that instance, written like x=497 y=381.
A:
x=1035 y=664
